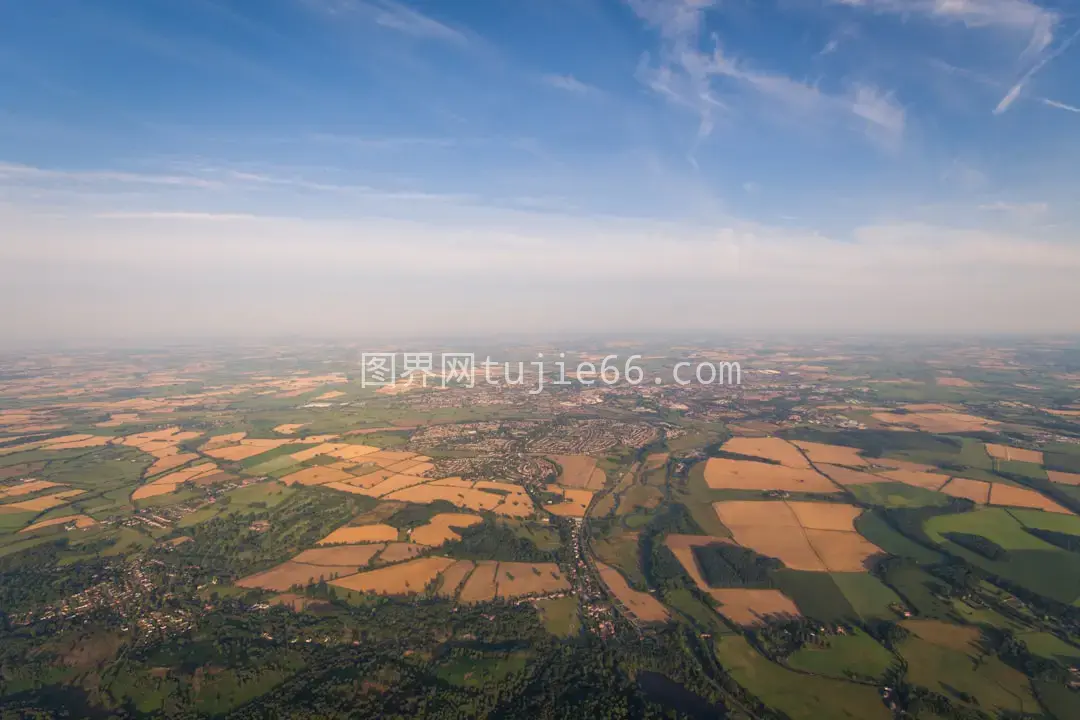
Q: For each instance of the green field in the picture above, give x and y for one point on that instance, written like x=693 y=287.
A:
x=857 y=655
x=817 y=595
x=801 y=697
x=872 y=526
x=896 y=495
x=950 y=672
x=560 y=616
x=866 y=594
x=698 y=498
x=1031 y=562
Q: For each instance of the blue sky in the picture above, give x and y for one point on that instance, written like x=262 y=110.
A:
x=651 y=161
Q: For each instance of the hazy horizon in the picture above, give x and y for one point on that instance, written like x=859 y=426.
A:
x=337 y=168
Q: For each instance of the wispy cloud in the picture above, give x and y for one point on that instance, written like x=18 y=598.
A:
x=1018 y=88
x=1013 y=91
x=394 y=16
x=11 y=171
x=569 y=83
x=686 y=73
x=1023 y=209
x=1019 y=15
x=1059 y=105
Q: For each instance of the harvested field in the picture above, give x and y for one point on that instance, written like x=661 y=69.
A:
x=25 y=488
x=440 y=529
x=168 y=462
x=318 y=475
x=462 y=497
x=804 y=536
x=330 y=395
x=80 y=521
x=825 y=516
x=393 y=484
x=347 y=488
x=842 y=551
x=1004 y=452
x=480 y=586
x=845 y=477
x=371 y=479
x=515 y=579
x=574 y=502
x=682 y=546
x=321 y=449
x=953 y=382
x=361 y=534
x=85 y=442
x=288 y=574
x=351 y=452
x=356 y=556
x=1022 y=497
x=644 y=606
x=927 y=480
x=401 y=579
x=288 y=428
x=790 y=546
x=579 y=471
x=751 y=607
x=398 y=551
x=725 y=474
x=419 y=468
x=937 y=422
x=752 y=513
x=46 y=502
x=1064 y=478
x=246 y=449
x=453 y=577
x=975 y=490
x=770 y=448
x=830 y=454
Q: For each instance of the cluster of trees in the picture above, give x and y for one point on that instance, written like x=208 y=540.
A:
x=492 y=541
x=229 y=546
x=916 y=700
x=1014 y=652
x=725 y=565
x=979 y=545
x=1065 y=541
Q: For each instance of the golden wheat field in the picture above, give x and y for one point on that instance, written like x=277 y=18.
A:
x=644 y=606
x=356 y=556
x=798 y=534
x=402 y=579
x=480 y=585
x=440 y=529
x=579 y=471
x=975 y=490
x=770 y=448
x=830 y=454
x=317 y=475
x=751 y=607
x=1009 y=496
x=361 y=534
x=1005 y=452
x=846 y=476
x=453 y=577
x=288 y=574
x=726 y=474
x=1063 y=477
x=80 y=521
